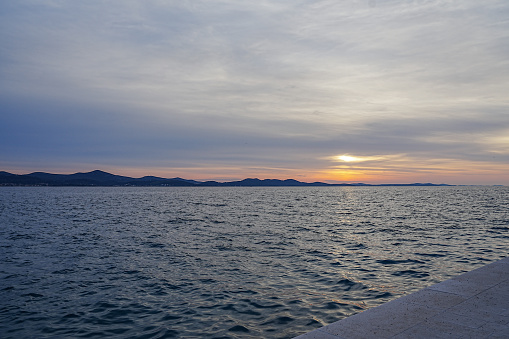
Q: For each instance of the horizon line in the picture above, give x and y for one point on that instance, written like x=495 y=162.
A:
x=201 y=181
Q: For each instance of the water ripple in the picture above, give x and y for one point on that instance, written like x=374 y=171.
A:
x=230 y=262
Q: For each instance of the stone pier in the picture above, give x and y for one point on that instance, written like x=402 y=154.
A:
x=472 y=305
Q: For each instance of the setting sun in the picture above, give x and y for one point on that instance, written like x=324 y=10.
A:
x=347 y=158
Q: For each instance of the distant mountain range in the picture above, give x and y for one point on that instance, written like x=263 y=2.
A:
x=100 y=178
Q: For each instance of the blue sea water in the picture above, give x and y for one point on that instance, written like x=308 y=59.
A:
x=239 y=262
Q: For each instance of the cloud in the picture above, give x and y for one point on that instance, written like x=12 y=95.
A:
x=252 y=85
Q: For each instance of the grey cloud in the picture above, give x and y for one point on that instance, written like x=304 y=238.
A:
x=253 y=82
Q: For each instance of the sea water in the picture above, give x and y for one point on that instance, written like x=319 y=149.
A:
x=270 y=262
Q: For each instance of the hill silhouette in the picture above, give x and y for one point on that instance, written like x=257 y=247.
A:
x=101 y=178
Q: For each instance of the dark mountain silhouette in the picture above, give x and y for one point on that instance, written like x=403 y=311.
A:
x=271 y=182
x=13 y=179
x=94 y=178
x=101 y=178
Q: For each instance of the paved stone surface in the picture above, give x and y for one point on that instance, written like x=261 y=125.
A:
x=472 y=305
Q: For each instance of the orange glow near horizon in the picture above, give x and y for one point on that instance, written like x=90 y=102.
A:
x=377 y=170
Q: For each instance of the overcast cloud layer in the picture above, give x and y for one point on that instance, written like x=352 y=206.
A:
x=412 y=91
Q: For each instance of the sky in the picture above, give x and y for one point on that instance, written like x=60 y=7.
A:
x=393 y=91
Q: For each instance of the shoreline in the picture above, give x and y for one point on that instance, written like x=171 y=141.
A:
x=472 y=305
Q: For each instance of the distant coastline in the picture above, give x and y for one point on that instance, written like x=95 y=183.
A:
x=101 y=178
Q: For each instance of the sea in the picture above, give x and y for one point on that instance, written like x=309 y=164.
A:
x=230 y=262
